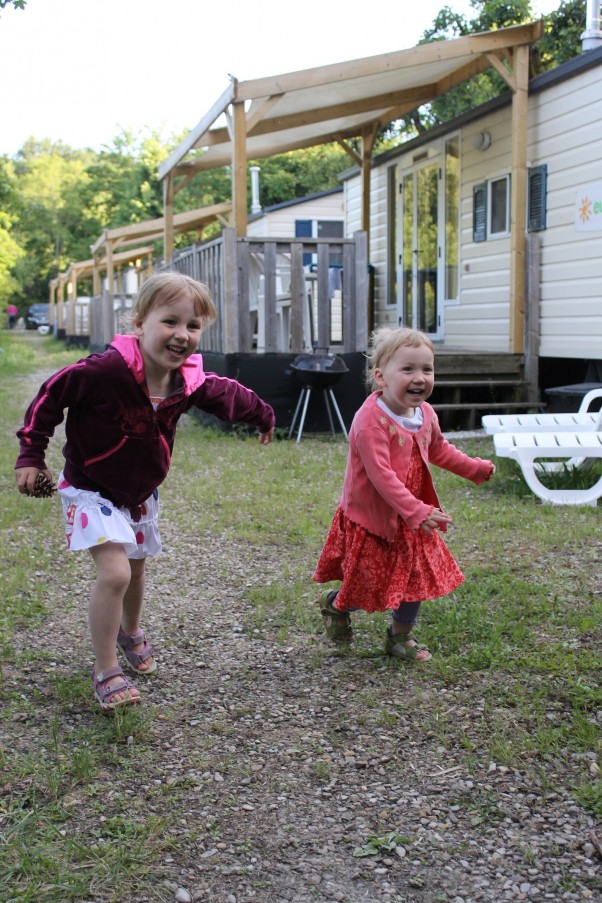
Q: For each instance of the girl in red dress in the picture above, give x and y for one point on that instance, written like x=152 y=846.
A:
x=384 y=544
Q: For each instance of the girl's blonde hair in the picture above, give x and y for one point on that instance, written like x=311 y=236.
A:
x=385 y=342
x=167 y=288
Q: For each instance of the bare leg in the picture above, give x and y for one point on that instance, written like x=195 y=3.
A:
x=132 y=606
x=113 y=575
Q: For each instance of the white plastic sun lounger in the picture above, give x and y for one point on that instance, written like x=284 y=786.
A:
x=584 y=419
x=581 y=421
x=526 y=448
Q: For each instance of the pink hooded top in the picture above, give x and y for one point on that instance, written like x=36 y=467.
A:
x=374 y=491
x=117 y=444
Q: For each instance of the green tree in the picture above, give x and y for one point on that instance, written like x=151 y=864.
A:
x=50 y=179
x=297 y=174
x=10 y=249
x=560 y=42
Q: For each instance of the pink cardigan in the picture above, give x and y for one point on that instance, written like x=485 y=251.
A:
x=374 y=491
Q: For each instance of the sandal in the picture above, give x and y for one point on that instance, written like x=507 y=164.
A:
x=337 y=624
x=104 y=694
x=404 y=646
x=126 y=642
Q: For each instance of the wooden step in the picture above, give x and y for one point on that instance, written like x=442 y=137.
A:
x=488 y=405
x=490 y=383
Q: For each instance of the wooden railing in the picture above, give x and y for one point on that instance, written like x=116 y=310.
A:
x=270 y=297
x=271 y=294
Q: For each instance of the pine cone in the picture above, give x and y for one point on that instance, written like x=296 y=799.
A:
x=43 y=488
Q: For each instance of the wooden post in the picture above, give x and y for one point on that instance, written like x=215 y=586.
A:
x=361 y=291
x=230 y=310
x=518 y=199
x=168 y=229
x=110 y=268
x=323 y=333
x=269 y=297
x=349 y=302
x=532 y=316
x=298 y=296
x=52 y=315
x=245 y=340
x=239 y=169
x=96 y=287
x=108 y=318
x=368 y=136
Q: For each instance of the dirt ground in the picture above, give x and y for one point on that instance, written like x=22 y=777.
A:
x=286 y=771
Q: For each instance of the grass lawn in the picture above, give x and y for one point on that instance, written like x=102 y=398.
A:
x=522 y=634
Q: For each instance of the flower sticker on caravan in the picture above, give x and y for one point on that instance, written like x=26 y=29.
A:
x=588 y=208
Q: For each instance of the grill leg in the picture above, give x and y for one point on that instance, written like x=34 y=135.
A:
x=338 y=413
x=296 y=414
x=307 y=391
x=328 y=411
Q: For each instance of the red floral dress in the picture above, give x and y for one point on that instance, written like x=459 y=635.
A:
x=378 y=575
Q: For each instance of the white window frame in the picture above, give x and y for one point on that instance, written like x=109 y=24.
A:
x=503 y=233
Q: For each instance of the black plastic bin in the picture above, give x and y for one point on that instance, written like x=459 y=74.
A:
x=568 y=398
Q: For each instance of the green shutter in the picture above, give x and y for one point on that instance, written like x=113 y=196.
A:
x=537 y=179
x=479 y=212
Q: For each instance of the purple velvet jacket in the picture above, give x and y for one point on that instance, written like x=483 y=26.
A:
x=116 y=443
x=374 y=492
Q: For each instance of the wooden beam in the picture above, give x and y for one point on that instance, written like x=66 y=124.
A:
x=473 y=67
x=205 y=123
x=182 y=182
x=518 y=200
x=110 y=269
x=421 y=55
x=412 y=97
x=503 y=71
x=100 y=241
x=350 y=151
x=368 y=139
x=168 y=231
x=257 y=112
x=239 y=169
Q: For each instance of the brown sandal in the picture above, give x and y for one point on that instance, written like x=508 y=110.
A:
x=404 y=646
x=104 y=695
x=337 y=624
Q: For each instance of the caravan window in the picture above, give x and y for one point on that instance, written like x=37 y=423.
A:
x=499 y=207
x=491 y=205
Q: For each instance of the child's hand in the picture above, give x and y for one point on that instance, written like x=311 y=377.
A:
x=436 y=519
x=266 y=438
x=491 y=472
x=27 y=476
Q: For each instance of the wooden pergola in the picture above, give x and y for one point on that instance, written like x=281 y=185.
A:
x=84 y=269
x=105 y=253
x=353 y=100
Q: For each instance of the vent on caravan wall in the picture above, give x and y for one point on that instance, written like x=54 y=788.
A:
x=592 y=36
x=421 y=156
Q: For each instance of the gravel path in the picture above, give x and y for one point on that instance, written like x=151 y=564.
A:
x=274 y=763
x=282 y=761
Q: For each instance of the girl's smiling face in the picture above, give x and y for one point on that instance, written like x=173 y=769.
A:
x=167 y=336
x=407 y=379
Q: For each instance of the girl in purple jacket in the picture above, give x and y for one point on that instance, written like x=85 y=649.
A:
x=122 y=409
x=384 y=544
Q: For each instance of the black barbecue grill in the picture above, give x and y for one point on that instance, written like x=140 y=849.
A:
x=317 y=370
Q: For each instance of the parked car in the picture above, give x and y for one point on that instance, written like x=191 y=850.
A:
x=37 y=315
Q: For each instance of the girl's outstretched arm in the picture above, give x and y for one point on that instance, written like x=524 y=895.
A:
x=266 y=438
x=435 y=520
x=26 y=478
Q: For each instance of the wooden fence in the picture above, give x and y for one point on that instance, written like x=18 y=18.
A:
x=272 y=295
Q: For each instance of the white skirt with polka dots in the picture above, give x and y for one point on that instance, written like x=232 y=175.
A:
x=91 y=520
